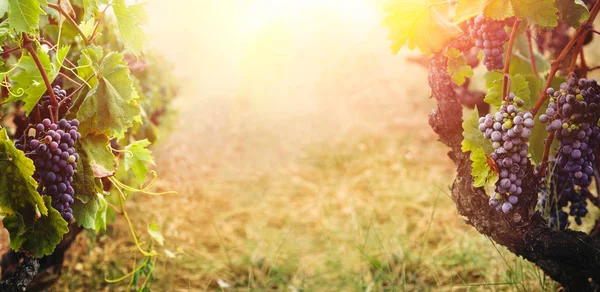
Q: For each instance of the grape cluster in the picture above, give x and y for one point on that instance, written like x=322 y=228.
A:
x=557 y=192
x=572 y=114
x=490 y=36
x=60 y=94
x=52 y=150
x=42 y=110
x=509 y=130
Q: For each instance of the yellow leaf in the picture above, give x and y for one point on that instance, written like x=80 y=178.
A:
x=495 y=9
x=418 y=24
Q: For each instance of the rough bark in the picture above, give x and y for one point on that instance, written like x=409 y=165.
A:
x=569 y=257
x=48 y=269
x=22 y=277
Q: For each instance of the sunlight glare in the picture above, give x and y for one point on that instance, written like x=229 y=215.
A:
x=263 y=12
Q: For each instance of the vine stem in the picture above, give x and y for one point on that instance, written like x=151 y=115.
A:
x=531 y=55
x=10 y=51
x=98 y=24
x=27 y=43
x=563 y=54
x=544 y=162
x=69 y=78
x=511 y=41
x=71 y=20
x=578 y=49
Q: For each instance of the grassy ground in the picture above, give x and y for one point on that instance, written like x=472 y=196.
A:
x=303 y=171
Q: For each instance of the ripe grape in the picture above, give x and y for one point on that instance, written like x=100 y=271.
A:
x=572 y=114
x=509 y=130
x=490 y=36
x=52 y=150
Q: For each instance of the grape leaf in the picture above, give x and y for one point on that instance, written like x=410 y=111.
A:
x=3 y=7
x=92 y=149
x=136 y=156
x=518 y=85
x=17 y=187
x=419 y=24
x=87 y=214
x=129 y=20
x=474 y=141
x=23 y=15
x=573 y=12
x=541 y=12
x=457 y=66
x=97 y=151
x=472 y=137
x=30 y=85
x=40 y=236
x=495 y=9
x=110 y=106
x=101 y=214
x=154 y=231
x=87 y=27
x=481 y=171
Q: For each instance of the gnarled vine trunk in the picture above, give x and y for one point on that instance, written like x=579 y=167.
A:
x=569 y=257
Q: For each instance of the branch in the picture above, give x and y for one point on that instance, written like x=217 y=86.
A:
x=531 y=55
x=71 y=20
x=556 y=63
x=27 y=43
x=10 y=51
x=26 y=272
x=511 y=41
x=544 y=163
x=98 y=24
x=569 y=257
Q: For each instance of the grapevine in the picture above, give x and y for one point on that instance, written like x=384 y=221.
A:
x=539 y=147
x=64 y=99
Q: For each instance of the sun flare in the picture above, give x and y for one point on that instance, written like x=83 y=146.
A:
x=262 y=12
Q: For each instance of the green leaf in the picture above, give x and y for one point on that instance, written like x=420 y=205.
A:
x=520 y=62
x=87 y=213
x=518 y=85
x=23 y=15
x=137 y=155
x=3 y=7
x=17 y=187
x=573 y=12
x=87 y=27
x=541 y=12
x=481 y=171
x=110 y=106
x=473 y=138
x=495 y=9
x=101 y=214
x=457 y=66
x=154 y=231
x=130 y=19
x=38 y=237
x=419 y=24
x=95 y=148
x=30 y=85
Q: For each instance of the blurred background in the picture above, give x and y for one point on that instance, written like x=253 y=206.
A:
x=303 y=161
